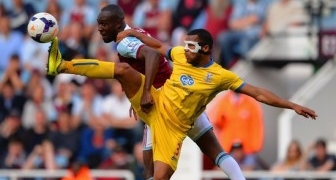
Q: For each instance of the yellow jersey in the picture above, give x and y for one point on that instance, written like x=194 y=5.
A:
x=191 y=88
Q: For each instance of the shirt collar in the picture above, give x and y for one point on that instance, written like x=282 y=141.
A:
x=211 y=62
x=127 y=27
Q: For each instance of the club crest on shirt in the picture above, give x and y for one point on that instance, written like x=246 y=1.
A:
x=208 y=77
x=186 y=80
x=132 y=45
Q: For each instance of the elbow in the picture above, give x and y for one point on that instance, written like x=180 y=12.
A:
x=260 y=95
x=260 y=99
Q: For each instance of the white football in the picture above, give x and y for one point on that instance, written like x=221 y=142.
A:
x=42 y=27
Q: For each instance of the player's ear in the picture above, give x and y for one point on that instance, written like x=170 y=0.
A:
x=206 y=48
x=119 y=23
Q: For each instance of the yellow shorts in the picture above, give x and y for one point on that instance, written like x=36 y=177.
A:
x=167 y=140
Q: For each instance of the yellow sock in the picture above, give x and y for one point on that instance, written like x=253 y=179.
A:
x=91 y=68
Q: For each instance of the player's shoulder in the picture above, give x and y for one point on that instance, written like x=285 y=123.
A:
x=131 y=40
x=128 y=44
x=178 y=49
x=176 y=53
x=128 y=41
x=223 y=71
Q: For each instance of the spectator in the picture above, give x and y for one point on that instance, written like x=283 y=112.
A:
x=33 y=57
x=187 y=11
x=246 y=162
x=95 y=143
x=88 y=107
x=75 y=38
x=128 y=7
x=14 y=74
x=10 y=128
x=64 y=140
x=37 y=79
x=38 y=5
x=116 y=108
x=3 y=10
x=80 y=13
x=237 y=116
x=19 y=15
x=101 y=85
x=10 y=43
x=139 y=164
x=116 y=112
x=54 y=9
x=63 y=99
x=78 y=23
x=38 y=133
x=10 y=100
x=153 y=17
x=15 y=156
x=282 y=15
x=217 y=16
x=321 y=160
x=41 y=157
x=217 y=20
x=245 y=28
x=34 y=105
x=185 y=18
x=119 y=159
x=293 y=159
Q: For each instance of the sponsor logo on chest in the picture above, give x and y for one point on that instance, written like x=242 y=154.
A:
x=186 y=80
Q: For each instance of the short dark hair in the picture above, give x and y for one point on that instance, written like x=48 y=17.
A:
x=116 y=11
x=321 y=142
x=15 y=57
x=204 y=36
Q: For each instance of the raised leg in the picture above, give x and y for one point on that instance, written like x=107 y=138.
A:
x=129 y=78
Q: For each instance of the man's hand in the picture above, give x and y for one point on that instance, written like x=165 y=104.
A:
x=306 y=112
x=132 y=111
x=123 y=34
x=146 y=101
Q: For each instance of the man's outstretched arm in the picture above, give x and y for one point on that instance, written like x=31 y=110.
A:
x=149 y=41
x=267 y=97
x=152 y=59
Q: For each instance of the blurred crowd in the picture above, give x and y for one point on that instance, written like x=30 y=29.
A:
x=65 y=121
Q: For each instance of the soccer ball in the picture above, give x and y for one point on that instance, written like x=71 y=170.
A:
x=42 y=27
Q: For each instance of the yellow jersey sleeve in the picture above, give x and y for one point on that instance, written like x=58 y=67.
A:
x=231 y=80
x=176 y=54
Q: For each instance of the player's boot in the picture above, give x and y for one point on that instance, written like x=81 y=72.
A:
x=54 y=58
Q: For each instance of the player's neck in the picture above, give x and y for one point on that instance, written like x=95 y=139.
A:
x=206 y=61
x=122 y=27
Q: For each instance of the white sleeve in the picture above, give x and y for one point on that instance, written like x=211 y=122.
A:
x=129 y=47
